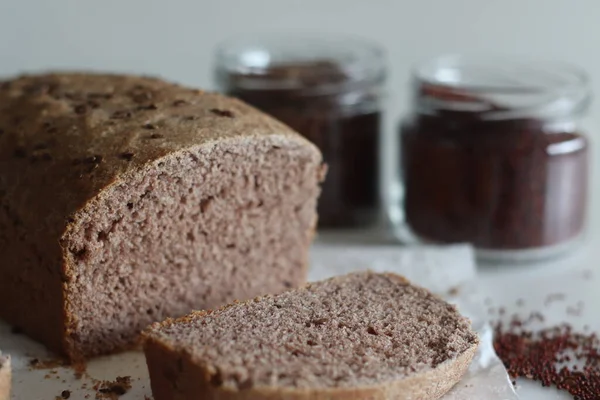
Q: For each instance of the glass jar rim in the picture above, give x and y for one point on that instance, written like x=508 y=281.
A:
x=251 y=59
x=502 y=87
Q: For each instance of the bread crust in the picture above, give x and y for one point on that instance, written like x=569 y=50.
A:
x=5 y=378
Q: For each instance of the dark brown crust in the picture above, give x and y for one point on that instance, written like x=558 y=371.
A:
x=65 y=140
x=175 y=375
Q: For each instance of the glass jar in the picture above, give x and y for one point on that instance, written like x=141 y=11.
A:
x=328 y=89
x=494 y=154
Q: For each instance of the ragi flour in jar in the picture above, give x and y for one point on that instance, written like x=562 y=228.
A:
x=493 y=154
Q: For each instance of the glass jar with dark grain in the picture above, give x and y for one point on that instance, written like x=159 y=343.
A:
x=494 y=154
x=329 y=89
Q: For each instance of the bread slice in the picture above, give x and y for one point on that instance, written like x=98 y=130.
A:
x=125 y=200
x=5 y=377
x=358 y=336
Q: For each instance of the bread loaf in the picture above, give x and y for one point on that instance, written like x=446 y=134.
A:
x=5 y=377
x=360 y=336
x=124 y=200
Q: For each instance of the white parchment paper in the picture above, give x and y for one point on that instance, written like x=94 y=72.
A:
x=440 y=269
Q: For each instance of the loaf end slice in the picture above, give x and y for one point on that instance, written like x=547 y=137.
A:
x=5 y=377
x=359 y=336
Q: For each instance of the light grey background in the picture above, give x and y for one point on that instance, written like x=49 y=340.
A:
x=175 y=39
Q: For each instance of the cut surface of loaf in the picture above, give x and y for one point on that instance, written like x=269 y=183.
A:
x=359 y=336
x=125 y=200
x=5 y=377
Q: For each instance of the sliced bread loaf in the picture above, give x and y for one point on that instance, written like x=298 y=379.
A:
x=5 y=377
x=359 y=336
x=125 y=200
